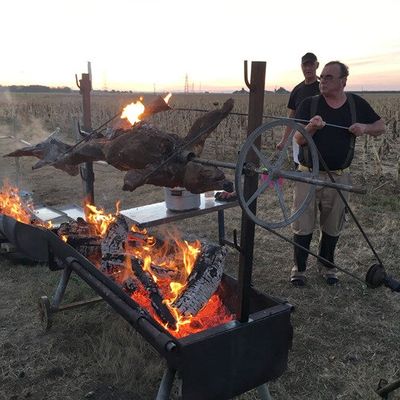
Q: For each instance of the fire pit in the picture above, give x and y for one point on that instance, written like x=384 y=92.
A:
x=247 y=344
x=242 y=355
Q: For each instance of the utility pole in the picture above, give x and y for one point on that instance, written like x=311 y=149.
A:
x=186 y=90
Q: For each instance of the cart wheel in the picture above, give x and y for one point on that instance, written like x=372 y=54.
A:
x=45 y=313
x=273 y=193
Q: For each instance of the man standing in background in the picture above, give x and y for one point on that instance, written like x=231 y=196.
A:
x=307 y=88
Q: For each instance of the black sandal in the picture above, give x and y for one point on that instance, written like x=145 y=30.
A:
x=298 y=280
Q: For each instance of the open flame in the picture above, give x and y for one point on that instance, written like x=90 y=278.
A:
x=98 y=219
x=21 y=210
x=133 y=112
x=176 y=257
x=12 y=205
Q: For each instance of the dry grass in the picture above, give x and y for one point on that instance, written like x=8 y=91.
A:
x=345 y=338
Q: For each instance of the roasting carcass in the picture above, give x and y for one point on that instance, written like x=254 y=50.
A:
x=141 y=151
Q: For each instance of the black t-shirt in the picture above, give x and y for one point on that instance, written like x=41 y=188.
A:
x=301 y=92
x=334 y=144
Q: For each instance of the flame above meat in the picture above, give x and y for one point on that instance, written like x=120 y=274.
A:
x=133 y=112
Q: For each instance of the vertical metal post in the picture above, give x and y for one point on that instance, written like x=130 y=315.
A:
x=256 y=108
x=221 y=227
x=17 y=162
x=86 y=170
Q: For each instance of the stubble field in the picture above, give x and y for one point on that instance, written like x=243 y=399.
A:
x=346 y=338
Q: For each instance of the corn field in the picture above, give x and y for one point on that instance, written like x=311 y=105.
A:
x=32 y=117
x=345 y=337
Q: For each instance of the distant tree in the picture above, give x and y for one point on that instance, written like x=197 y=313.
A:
x=38 y=89
x=242 y=91
x=281 y=90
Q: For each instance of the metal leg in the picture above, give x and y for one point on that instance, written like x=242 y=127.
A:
x=62 y=285
x=263 y=392
x=46 y=309
x=221 y=227
x=166 y=384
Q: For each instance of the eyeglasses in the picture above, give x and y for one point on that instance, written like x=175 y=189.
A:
x=329 y=78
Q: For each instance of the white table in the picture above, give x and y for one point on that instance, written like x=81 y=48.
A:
x=158 y=214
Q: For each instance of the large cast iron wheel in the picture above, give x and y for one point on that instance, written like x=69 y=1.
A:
x=259 y=155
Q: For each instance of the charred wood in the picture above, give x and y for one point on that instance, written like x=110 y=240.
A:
x=203 y=281
x=151 y=287
x=129 y=286
x=82 y=237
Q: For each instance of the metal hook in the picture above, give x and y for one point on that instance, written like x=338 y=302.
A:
x=76 y=80
x=246 y=80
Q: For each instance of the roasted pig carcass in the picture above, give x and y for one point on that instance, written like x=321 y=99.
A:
x=142 y=151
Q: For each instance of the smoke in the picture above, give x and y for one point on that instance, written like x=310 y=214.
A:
x=32 y=131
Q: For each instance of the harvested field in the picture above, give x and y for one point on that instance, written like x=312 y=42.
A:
x=346 y=338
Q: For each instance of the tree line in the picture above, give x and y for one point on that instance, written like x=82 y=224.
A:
x=34 y=89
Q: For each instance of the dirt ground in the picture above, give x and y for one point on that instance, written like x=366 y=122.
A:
x=346 y=338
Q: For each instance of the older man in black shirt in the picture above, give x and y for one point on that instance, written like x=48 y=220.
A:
x=336 y=147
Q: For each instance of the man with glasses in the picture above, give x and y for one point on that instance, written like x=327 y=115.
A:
x=308 y=87
x=336 y=147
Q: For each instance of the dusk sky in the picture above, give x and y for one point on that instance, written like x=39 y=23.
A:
x=153 y=44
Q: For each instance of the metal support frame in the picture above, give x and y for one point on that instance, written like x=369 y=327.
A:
x=86 y=170
x=385 y=389
x=246 y=247
x=165 y=387
x=263 y=392
x=47 y=308
x=167 y=381
x=62 y=285
x=256 y=107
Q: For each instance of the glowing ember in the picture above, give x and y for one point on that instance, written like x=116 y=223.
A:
x=132 y=111
x=175 y=257
x=178 y=258
x=98 y=218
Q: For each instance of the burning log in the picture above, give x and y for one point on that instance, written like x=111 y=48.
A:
x=203 y=281
x=117 y=241
x=141 y=150
x=82 y=237
x=129 y=286
x=155 y=296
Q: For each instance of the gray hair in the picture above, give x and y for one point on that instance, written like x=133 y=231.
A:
x=344 y=69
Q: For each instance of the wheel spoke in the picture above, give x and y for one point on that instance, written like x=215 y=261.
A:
x=282 y=202
x=262 y=157
x=260 y=190
x=279 y=162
